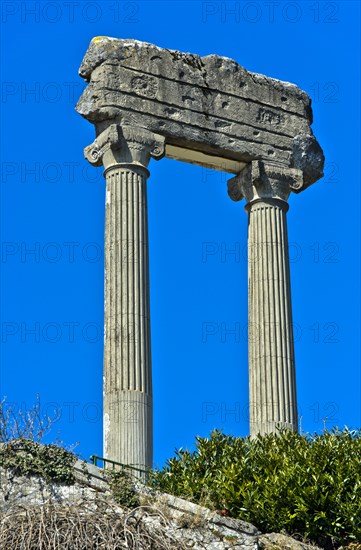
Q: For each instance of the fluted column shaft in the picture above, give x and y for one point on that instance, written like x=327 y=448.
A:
x=272 y=380
x=127 y=397
x=127 y=353
x=271 y=361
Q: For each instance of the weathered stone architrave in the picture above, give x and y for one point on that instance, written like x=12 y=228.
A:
x=212 y=112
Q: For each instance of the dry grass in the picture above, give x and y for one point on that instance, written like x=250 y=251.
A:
x=85 y=527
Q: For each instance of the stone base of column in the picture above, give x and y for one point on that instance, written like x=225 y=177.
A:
x=128 y=428
x=263 y=427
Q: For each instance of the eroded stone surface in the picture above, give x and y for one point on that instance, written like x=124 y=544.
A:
x=210 y=110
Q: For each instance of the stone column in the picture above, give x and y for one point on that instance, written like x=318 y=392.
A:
x=128 y=426
x=272 y=378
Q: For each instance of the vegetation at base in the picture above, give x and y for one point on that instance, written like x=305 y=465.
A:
x=308 y=486
x=122 y=488
x=26 y=457
x=21 y=433
x=16 y=423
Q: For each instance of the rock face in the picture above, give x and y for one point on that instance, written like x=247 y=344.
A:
x=210 y=110
x=162 y=520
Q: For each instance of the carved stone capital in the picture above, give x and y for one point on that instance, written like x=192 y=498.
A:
x=125 y=145
x=261 y=181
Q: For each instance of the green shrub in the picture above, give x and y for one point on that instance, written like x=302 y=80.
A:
x=305 y=485
x=122 y=488
x=28 y=457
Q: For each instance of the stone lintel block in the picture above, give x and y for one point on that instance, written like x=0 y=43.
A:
x=210 y=110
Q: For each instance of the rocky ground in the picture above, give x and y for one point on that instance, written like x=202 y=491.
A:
x=85 y=515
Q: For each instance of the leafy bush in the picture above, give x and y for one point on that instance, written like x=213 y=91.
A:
x=27 y=457
x=122 y=488
x=21 y=432
x=308 y=486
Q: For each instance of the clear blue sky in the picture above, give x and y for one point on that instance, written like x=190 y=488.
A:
x=53 y=204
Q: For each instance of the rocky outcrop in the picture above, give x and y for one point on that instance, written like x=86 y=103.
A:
x=87 y=509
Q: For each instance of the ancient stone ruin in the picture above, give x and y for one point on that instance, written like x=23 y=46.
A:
x=148 y=102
